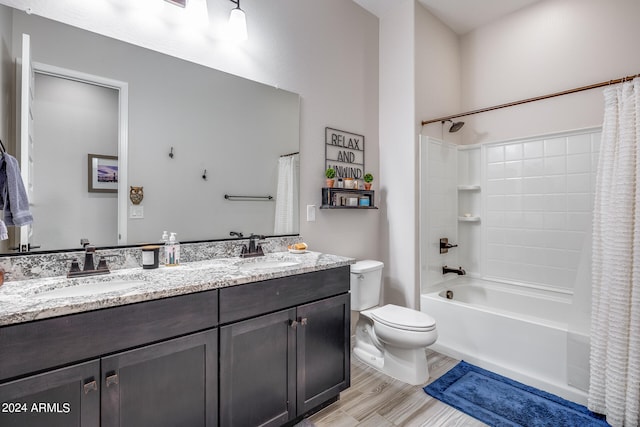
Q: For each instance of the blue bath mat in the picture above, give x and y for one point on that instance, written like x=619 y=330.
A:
x=499 y=401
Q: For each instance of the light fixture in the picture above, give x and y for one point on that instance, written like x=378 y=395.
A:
x=237 y=23
x=181 y=3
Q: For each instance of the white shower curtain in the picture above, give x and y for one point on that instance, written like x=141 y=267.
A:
x=614 y=388
x=285 y=195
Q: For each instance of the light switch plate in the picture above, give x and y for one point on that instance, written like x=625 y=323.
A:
x=136 y=212
x=311 y=213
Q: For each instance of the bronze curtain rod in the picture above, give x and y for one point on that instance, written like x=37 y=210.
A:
x=537 y=98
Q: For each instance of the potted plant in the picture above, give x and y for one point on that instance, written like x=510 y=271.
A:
x=330 y=173
x=368 y=178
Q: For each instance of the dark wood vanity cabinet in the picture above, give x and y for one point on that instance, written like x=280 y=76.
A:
x=258 y=354
x=148 y=366
x=172 y=383
x=65 y=397
x=278 y=366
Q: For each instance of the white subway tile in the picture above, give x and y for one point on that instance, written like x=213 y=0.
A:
x=555 y=184
x=533 y=202
x=533 y=149
x=533 y=185
x=512 y=186
x=513 y=202
x=580 y=202
x=578 y=221
x=495 y=187
x=495 y=154
x=514 y=220
x=533 y=220
x=579 y=144
x=556 y=258
x=555 y=165
x=555 y=203
x=533 y=238
x=495 y=203
x=573 y=240
x=578 y=183
x=513 y=169
x=513 y=151
x=533 y=167
x=555 y=147
x=495 y=170
x=596 y=140
x=555 y=221
x=579 y=163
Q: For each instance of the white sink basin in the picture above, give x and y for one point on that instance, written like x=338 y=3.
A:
x=266 y=264
x=90 y=289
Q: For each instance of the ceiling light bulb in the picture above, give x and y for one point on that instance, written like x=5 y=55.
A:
x=238 y=25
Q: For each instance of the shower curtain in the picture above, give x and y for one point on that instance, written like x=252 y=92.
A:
x=285 y=195
x=614 y=388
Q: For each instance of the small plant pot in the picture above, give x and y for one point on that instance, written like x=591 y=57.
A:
x=367 y=186
x=330 y=183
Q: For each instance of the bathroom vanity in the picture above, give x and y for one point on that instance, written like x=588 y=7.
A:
x=220 y=342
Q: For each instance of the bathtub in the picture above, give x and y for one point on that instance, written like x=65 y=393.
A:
x=516 y=331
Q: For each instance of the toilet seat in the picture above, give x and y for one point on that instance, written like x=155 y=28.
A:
x=403 y=318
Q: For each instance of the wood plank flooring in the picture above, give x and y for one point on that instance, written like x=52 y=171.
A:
x=376 y=400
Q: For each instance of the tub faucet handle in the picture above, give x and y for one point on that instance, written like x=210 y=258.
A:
x=445 y=245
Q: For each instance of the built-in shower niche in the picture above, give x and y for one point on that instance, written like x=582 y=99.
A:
x=469 y=188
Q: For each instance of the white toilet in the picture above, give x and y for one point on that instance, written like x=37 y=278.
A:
x=390 y=338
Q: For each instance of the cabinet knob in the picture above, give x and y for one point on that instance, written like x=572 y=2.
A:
x=112 y=379
x=303 y=321
x=91 y=385
x=293 y=323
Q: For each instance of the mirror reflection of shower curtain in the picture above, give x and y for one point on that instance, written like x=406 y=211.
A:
x=615 y=323
x=286 y=203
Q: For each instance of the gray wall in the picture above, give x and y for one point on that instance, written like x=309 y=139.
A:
x=71 y=120
x=6 y=85
x=214 y=121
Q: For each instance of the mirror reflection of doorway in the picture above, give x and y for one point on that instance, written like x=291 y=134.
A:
x=71 y=120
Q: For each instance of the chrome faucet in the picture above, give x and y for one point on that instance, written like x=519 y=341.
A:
x=459 y=271
x=254 y=249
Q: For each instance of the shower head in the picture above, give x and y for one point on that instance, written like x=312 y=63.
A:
x=455 y=126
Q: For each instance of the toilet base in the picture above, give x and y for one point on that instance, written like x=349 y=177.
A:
x=408 y=366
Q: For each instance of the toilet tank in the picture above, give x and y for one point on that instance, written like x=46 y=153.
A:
x=366 y=283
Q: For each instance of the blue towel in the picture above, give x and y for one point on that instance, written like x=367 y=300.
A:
x=14 y=202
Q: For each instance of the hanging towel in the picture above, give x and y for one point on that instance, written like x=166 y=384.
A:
x=14 y=201
x=4 y=233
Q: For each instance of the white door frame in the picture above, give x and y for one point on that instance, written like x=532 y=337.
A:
x=123 y=130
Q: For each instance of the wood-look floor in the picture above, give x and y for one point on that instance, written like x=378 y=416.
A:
x=376 y=400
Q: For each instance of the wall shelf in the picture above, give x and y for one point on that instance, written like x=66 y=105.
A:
x=336 y=198
x=469 y=218
x=468 y=188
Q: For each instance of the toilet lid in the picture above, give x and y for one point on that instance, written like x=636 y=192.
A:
x=403 y=318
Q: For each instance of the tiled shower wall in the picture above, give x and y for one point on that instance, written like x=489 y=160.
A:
x=538 y=204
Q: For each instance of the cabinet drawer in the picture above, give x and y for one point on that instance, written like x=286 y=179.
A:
x=48 y=343
x=253 y=299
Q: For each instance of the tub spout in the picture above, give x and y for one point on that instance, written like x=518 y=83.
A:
x=459 y=271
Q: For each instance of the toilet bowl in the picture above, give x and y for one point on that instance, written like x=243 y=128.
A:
x=389 y=338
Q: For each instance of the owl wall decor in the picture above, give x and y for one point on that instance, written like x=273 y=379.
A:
x=136 y=195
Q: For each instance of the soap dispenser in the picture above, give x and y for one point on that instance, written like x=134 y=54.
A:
x=172 y=251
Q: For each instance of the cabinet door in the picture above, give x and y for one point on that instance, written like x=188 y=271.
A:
x=323 y=351
x=172 y=383
x=257 y=371
x=64 y=397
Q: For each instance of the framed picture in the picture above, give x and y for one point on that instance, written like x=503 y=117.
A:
x=103 y=174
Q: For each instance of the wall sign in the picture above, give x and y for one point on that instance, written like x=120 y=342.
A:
x=344 y=152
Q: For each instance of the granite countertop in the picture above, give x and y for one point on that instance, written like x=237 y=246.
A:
x=27 y=300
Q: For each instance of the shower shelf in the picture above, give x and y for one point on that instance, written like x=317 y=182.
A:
x=468 y=187
x=469 y=218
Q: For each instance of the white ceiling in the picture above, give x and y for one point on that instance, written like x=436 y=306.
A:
x=465 y=15
x=461 y=16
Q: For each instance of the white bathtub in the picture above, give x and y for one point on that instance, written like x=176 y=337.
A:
x=515 y=331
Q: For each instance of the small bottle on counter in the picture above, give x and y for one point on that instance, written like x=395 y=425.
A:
x=172 y=251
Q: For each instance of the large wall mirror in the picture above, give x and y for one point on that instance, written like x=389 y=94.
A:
x=194 y=135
